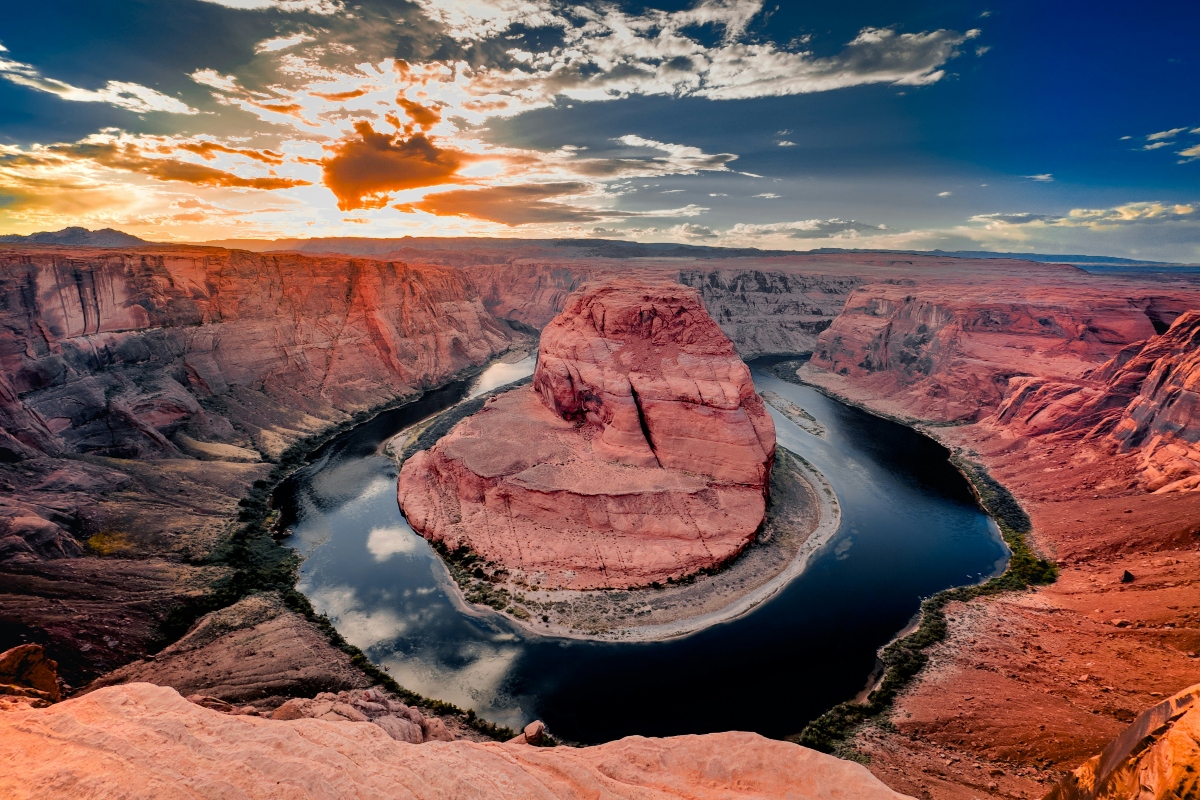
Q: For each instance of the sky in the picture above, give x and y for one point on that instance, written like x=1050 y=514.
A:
x=1050 y=127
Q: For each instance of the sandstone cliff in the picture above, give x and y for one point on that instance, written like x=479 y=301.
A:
x=141 y=393
x=642 y=452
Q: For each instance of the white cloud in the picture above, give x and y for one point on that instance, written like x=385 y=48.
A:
x=282 y=42
x=785 y=143
x=130 y=96
x=804 y=229
x=1191 y=152
x=1151 y=212
x=607 y=54
x=324 y=7
x=1156 y=145
x=1169 y=134
x=383 y=543
x=1045 y=177
x=768 y=196
x=945 y=194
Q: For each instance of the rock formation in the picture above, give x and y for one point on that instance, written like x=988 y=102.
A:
x=1155 y=758
x=642 y=452
x=143 y=741
x=26 y=672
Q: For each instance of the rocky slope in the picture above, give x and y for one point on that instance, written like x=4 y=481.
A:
x=641 y=453
x=143 y=741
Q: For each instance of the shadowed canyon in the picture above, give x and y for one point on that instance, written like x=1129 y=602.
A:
x=153 y=398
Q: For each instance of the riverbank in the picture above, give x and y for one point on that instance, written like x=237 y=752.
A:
x=1017 y=687
x=803 y=515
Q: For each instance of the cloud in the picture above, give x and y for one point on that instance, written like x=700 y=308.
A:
x=1140 y=213
x=1045 y=177
x=1169 y=134
x=944 y=194
x=526 y=204
x=785 y=143
x=687 y=230
x=510 y=205
x=363 y=171
x=1156 y=145
x=1191 y=152
x=125 y=155
x=768 y=196
x=806 y=229
x=607 y=53
x=282 y=43
x=130 y=96
x=323 y=7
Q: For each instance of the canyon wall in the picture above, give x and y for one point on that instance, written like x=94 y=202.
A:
x=1077 y=393
x=143 y=392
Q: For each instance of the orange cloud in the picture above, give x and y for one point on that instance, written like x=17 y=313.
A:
x=510 y=205
x=130 y=158
x=362 y=171
x=424 y=117
x=334 y=97
x=206 y=150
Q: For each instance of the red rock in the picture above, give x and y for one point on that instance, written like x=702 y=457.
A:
x=641 y=454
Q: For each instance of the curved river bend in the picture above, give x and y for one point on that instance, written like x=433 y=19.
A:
x=909 y=528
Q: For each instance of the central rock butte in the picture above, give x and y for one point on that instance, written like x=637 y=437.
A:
x=641 y=453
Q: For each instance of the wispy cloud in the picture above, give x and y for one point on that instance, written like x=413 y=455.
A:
x=122 y=94
x=1044 y=177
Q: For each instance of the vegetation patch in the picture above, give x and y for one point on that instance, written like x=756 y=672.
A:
x=108 y=542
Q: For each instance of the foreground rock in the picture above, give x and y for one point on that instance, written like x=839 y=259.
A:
x=25 y=672
x=142 y=741
x=1155 y=758
x=642 y=453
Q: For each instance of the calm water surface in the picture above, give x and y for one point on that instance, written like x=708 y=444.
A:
x=909 y=529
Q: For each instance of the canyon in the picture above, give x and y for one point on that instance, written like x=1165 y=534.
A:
x=144 y=392
x=640 y=454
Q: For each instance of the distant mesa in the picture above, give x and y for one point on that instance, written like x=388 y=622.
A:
x=78 y=237
x=641 y=453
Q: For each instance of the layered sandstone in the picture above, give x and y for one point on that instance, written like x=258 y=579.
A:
x=1155 y=758
x=641 y=453
x=143 y=741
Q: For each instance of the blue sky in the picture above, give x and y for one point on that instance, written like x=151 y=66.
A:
x=1047 y=127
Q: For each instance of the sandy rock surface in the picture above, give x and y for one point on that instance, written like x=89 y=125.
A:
x=143 y=741
x=641 y=453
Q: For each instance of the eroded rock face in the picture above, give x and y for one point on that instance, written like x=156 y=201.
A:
x=1155 y=758
x=143 y=741
x=642 y=452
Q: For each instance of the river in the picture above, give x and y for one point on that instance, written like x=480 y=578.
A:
x=909 y=529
